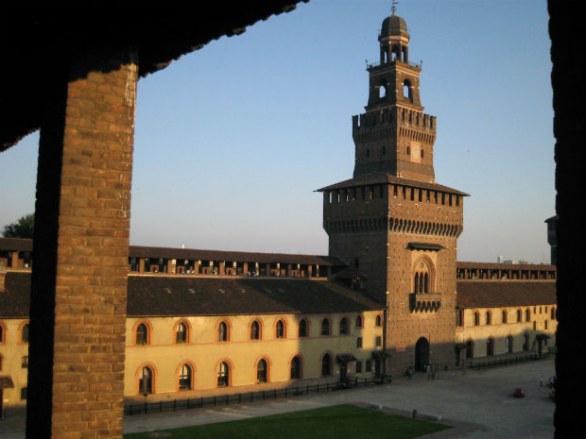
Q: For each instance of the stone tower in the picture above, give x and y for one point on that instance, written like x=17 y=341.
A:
x=395 y=227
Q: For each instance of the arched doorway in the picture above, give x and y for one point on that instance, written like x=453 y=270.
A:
x=421 y=354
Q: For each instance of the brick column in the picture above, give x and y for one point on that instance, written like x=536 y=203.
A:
x=15 y=262
x=82 y=223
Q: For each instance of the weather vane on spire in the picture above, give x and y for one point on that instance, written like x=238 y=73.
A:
x=394 y=6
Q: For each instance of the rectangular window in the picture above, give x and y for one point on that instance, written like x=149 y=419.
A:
x=369 y=365
x=25 y=362
x=23 y=394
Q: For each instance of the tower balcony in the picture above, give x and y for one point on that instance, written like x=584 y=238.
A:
x=375 y=64
x=424 y=302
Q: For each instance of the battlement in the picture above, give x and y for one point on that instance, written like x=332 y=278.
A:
x=392 y=118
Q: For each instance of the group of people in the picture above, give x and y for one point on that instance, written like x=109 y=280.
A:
x=430 y=369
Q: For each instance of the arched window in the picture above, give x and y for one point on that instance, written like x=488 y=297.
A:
x=476 y=318
x=262 y=372
x=553 y=312
x=344 y=326
x=223 y=333
x=185 y=377
x=422 y=279
x=469 y=349
x=24 y=333
x=303 y=328
x=382 y=91
x=359 y=322
x=378 y=321
x=296 y=368
x=408 y=90
x=378 y=341
x=527 y=315
x=326 y=365
x=325 y=327
x=142 y=334
x=224 y=375
x=255 y=333
x=459 y=317
x=359 y=342
x=509 y=344
x=280 y=329
x=504 y=316
x=519 y=316
x=488 y=317
x=182 y=333
x=145 y=382
x=490 y=347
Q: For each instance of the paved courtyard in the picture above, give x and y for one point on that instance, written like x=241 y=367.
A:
x=480 y=402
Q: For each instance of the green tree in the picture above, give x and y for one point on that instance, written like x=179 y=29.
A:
x=23 y=228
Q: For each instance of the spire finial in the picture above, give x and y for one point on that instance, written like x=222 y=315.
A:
x=394 y=7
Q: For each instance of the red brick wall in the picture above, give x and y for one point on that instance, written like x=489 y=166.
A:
x=78 y=310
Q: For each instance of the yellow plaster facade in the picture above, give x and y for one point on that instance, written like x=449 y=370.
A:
x=502 y=330
x=277 y=341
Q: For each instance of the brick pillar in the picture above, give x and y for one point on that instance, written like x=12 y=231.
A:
x=14 y=259
x=82 y=223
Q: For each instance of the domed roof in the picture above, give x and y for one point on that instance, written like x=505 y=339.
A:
x=394 y=25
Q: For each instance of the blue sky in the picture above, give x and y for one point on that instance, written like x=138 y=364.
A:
x=233 y=140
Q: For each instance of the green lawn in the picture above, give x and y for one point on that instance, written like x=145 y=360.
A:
x=337 y=422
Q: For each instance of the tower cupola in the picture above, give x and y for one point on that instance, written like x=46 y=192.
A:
x=394 y=39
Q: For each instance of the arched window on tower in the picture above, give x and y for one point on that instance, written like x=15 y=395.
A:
x=408 y=90
x=396 y=53
x=421 y=278
x=382 y=91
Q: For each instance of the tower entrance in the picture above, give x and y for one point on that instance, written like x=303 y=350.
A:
x=421 y=354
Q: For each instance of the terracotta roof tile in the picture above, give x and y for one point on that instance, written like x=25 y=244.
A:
x=493 y=294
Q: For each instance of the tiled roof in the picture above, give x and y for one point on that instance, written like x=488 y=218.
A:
x=16 y=244
x=494 y=294
x=185 y=296
x=174 y=296
x=385 y=178
x=15 y=298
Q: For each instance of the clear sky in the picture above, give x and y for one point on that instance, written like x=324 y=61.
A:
x=233 y=140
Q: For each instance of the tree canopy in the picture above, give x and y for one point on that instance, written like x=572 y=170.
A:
x=23 y=228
